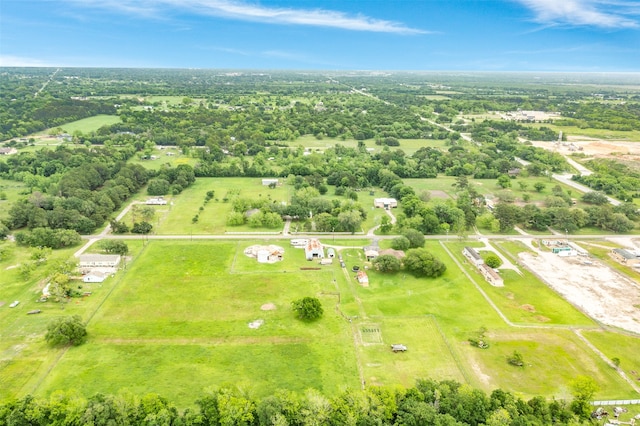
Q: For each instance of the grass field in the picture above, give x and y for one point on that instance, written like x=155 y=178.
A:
x=86 y=125
x=9 y=192
x=189 y=328
x=409 y=146
x=163 y=158
x=176 y=321
x=524 y=299
x=176 y=218
x=490 y=189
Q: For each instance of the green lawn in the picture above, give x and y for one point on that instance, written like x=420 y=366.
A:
x=621 y=346
x=85 y=125
x=9 y=192
x=165 y=156
x=490 y=189
x=553 y=358
x=524 y=298
x=176 y=322
x=185 y=323
x=177 y=218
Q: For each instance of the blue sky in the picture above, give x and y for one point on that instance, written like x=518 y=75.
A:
x=450 y=35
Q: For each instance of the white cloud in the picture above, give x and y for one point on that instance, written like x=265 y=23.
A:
x=255 y=12
x=19 y=61
x=597 y=13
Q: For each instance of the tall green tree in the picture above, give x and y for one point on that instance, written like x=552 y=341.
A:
x=66 y=331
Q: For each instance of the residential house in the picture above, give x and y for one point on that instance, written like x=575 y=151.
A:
x=313 y=250
x=385 y=203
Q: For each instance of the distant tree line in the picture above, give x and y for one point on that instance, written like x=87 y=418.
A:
x=429 y=402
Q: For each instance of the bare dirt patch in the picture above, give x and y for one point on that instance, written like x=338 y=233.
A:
x=541 y=318
x=528 y=308
x=268 y=307
x=596 y=289
x=597 y=148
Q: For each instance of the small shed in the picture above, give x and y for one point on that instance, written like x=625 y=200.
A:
x=362 y=278
x=331 y=253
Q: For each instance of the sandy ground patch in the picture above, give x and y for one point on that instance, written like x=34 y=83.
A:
x=268 y=307
x=598 y=290
x=599 y=148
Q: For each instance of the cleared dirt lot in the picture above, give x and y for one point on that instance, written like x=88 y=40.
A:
x=600 y=292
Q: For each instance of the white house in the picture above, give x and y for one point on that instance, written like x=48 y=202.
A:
x=385 y=203
x=99 y=260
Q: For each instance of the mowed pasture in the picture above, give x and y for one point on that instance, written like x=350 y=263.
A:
x=85 y=125
x=178 y=323
x=177 y=216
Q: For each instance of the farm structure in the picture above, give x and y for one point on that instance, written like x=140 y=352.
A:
x=491 y=276
x=99 y=261
x=487 y=272
x=625 y=257
x=299 y=243
x=313 y=249
x=265 y=254
x=473 y=256
x=385 y=203
x=158 y=201
x=267 y=182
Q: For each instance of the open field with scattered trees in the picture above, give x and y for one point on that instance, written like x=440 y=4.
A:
x=188 y=316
